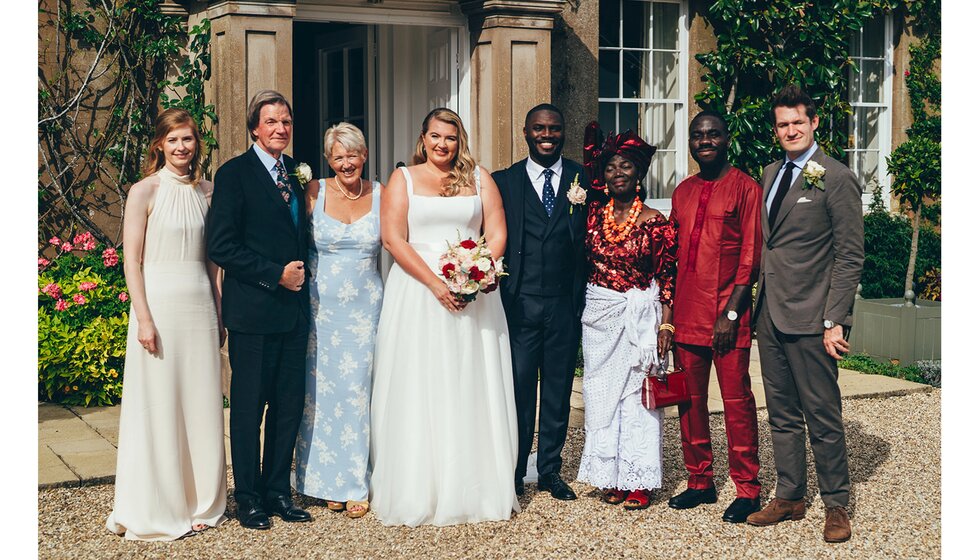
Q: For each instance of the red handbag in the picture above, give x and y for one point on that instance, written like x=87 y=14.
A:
x=663 y=387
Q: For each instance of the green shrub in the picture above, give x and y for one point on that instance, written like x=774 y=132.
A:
x=82 y=323
x=887 y=241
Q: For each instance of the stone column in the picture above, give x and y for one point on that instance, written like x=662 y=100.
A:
x=251 y=50
x=510 y=72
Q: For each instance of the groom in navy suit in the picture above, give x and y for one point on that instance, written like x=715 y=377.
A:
x=544 y=294
x=257 y=232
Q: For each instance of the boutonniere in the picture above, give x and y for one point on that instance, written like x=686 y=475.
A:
x=813 y=174
x=576 y=194
x=303 y=173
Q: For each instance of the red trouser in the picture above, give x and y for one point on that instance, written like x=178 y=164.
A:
x=741 y=425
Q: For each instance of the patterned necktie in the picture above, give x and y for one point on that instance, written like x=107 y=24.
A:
x=781 y=191
x=282 y=181
x=548 y=193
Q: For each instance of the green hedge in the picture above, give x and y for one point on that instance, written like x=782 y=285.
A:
x=887 y=241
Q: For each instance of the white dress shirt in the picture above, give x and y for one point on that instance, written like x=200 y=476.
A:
x=798 y=163
x=535 y=172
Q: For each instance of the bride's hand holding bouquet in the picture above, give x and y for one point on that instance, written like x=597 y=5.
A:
x=468 y=267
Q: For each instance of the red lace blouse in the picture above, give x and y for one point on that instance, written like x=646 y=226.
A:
x=650 y=251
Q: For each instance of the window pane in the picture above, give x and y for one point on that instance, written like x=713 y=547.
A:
x=356 y=81
x=865 y=166
x=609 y=74
x=609 y=23
x=874 y=38
x=666 y=77
x=607 y=118
x=872 y=73
x=335 y=86
x=628 y=118
x=665 y=32
x=662 y=176
x=636 y=74
x=867 y=127
x=636 y=24
x=854 y=46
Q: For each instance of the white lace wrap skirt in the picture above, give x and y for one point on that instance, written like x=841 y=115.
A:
x=623 y=440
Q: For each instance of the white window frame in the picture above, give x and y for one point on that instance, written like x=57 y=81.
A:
x=680 y=104
x=885 y=118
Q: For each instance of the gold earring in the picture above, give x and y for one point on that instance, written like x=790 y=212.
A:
x=606 y=190
x=637 y=186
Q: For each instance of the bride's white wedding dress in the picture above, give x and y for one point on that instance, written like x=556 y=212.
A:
x=443 y=419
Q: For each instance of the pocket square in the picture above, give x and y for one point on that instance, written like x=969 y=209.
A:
x=803 y=199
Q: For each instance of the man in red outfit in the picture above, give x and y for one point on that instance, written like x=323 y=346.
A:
x=716 y=213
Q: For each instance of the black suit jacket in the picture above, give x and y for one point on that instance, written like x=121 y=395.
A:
x=512 y=183
x=251 y=235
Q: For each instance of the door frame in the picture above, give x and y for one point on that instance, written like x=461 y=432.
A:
x=385 y=15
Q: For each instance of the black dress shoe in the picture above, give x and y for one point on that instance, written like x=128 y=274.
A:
x=519 y=487
x=252 y=516
x=283 y=507
x=739 y=509
x=693 y=498
x=554 y=484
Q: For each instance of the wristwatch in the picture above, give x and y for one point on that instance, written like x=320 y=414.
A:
x=828 y=324
x=732 y=315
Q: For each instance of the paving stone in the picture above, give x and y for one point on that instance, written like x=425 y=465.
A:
x=51 y=470
x=104 y=420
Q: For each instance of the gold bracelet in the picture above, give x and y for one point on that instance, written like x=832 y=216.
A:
x=667 y=327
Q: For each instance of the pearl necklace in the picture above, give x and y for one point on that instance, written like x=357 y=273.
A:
x=609 y=225
x=343 y=191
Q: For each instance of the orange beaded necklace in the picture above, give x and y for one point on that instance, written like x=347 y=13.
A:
x=616 y=233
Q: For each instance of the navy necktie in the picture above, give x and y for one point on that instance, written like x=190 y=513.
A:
x=548 y=193
x=282 y=183
x=781 y=191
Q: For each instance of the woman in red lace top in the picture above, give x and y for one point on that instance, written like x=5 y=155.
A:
x=626 y=327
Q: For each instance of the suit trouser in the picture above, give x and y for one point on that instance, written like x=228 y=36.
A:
x=544 y=337
x=741 y=424
x=266 y=369
x=802 y=395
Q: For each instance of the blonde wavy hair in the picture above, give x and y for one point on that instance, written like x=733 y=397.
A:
x=166 y=122
x=461 y=174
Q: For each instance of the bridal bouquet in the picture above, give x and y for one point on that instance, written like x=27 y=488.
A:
x=469 y=267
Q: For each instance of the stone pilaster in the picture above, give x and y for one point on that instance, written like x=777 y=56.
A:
x=251 y=50
x=510 y=67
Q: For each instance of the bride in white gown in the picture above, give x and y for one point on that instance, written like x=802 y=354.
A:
x=443 y=419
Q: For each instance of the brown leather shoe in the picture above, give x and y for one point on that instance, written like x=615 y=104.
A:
x=778 y=510
x=837 y=527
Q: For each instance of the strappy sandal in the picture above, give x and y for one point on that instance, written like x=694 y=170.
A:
x=354 y=514
x=638 y=499
x=336 y=507
x=613 y=496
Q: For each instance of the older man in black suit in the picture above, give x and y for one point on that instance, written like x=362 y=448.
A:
x=545 y=292
x=257 y=232
x=812 y=257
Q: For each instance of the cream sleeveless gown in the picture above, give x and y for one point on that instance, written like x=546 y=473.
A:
x=170 y=469
x=443 y=419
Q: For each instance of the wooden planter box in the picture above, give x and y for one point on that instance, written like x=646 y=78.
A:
x=895 y=329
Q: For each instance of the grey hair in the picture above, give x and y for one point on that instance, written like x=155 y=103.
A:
x=261 y=99
x=347 y=135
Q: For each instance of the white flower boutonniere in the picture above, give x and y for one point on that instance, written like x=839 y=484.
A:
x=813 y=174
x=576 y=194
x=303 y=173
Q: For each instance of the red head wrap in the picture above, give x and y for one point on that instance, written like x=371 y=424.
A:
x=625 y=144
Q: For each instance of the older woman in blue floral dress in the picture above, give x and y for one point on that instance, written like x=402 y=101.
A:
x=332 y=448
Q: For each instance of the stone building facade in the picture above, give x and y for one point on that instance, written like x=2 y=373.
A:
x=383 y=64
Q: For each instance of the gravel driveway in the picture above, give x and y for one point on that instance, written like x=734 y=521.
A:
x=893 y=449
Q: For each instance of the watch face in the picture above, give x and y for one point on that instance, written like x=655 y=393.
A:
x=732 y=315
x=827 y=324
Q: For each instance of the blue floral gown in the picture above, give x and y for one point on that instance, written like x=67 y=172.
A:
x=332 y=447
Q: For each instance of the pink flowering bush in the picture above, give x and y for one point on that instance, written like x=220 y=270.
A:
x=82 y=315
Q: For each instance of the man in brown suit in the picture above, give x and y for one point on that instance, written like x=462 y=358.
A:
x=812 y=256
